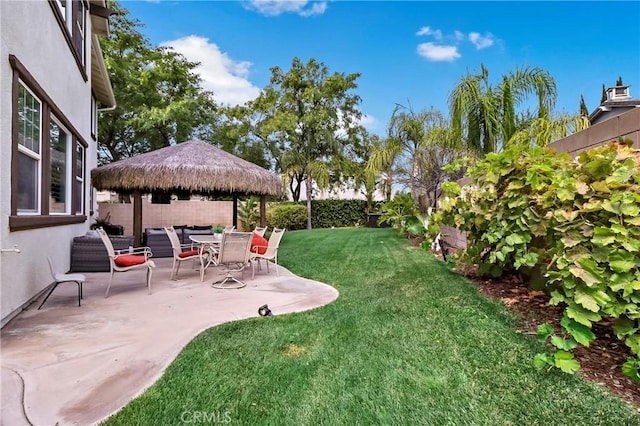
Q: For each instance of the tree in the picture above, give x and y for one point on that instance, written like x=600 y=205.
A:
x=619 y=81
x=303 y=118
x=603 y=98
x=158 y=94
x=354 y=163
x=417 y=147
x=584 y=111
x=484 y=116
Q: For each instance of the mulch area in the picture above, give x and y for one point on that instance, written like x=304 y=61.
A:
x=601 y=362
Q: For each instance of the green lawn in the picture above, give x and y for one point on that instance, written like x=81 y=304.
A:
x=407 y=342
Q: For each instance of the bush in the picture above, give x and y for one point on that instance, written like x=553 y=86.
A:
x=577 y=220
x=338 y=213
x=289 y=216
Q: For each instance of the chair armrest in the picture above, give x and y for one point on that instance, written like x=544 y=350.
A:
x=146 y=251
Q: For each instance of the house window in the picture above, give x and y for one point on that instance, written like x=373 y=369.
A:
x=79 y=183
x=94 y=116
x=72 y=17
x=59 y=173
x=29 y=115
x=79 y=33
x=48 y=162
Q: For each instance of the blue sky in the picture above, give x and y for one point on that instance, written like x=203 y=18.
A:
x=409 y=53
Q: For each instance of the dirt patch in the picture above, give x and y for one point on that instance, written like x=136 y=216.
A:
x=294 y=351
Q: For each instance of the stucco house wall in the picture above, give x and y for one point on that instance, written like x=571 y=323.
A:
x=30 y=32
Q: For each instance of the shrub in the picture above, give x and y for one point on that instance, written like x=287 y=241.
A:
x=338 y=213
x=577 y=220
x=287 y=215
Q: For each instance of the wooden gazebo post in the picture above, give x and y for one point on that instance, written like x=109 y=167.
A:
x=263 y=210
x=137 y=217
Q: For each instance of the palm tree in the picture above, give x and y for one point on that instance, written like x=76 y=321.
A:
x=484 y=117
x=409 y=150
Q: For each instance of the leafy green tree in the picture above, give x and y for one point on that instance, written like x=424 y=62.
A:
x=619 y=81
x=603 y=98
x=158 y=94
x=484 y=116
x=303 y=118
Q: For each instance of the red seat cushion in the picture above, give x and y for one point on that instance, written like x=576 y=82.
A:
x=259 y=244
x=189 y=253
x=129 y=260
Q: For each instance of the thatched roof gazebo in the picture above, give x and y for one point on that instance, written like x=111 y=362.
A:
x=195 y=167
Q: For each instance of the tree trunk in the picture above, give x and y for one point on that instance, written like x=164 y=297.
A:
x=309 y=188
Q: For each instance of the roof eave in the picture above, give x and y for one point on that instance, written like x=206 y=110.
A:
x=100 y=82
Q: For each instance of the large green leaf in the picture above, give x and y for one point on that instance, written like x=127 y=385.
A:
x=634 y=343
x=542 y=360
x=603 y=236
x=545 y=330
x=631 y=368
x=582 y=315
x=565 y=362
x=586 y=300
x=624 y=327
x=564 y=344
x=581 y=333
x=622 y=261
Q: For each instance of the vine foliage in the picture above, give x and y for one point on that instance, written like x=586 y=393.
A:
x=575 y=223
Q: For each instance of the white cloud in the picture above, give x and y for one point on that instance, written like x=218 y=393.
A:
x=369 y=122
x=481 y=42
x=225 y=77
x=438 y=53
x=278 y=7
x=437 y=34
x=459 y=35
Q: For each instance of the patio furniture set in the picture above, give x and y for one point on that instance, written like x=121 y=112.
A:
x=233 y=251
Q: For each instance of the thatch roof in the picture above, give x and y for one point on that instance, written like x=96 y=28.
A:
x=193 y=166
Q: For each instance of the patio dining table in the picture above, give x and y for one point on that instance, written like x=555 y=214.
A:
x=208 y=246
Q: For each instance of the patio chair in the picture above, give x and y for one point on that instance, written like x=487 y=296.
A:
x=233 y=256
x=271 y=252
x=182 y=252
x=63 y=278
x=126 y=260
x=260 y=230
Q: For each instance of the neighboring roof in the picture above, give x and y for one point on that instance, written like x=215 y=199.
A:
x=194 y=166
x=613 y=101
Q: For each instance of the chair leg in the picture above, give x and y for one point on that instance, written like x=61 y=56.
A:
x=275 y=261
x=175 y=277
x=174 y=273
x=149 y=271
x=79 y=291
x=109 y=286
x=49 y=294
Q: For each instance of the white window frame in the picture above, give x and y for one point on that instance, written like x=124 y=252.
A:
x=69 y=169
x=34 y=155
x=81 y=155
x=94 y=117
x=82 y=29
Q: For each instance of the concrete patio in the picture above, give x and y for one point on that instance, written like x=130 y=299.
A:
x=73 y=365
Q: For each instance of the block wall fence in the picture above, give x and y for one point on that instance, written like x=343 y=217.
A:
x=179 y=212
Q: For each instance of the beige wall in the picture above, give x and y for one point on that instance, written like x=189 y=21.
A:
x=30 y=31
x=626 y=125
x=179 y=212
